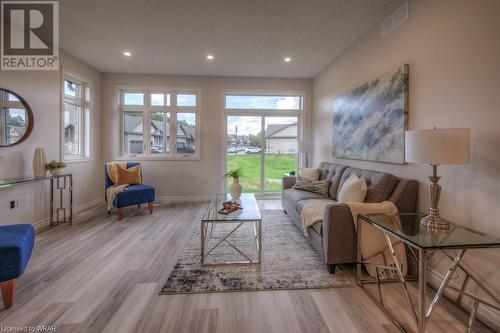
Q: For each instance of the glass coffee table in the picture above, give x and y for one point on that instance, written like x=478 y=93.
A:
x=249 y=214
x=452 y=243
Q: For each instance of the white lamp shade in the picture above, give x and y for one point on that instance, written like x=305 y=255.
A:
x=438 y=146
x=305 y=147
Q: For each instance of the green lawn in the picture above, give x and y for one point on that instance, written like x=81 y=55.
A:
x=276 y=165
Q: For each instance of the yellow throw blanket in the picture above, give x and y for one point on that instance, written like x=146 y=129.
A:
x=372 y=240
x=111 y=191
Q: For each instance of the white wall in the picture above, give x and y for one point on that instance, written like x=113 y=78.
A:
x=192 y=179
x=453 y=50
x=42 y=91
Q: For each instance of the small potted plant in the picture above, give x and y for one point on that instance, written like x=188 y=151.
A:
x=235 y=188
x=55 y=167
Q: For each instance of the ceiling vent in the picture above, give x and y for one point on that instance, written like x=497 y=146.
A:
x=395 y=19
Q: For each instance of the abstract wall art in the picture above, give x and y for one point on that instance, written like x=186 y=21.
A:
x=369 y=121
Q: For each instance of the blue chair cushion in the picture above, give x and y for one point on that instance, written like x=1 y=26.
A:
x=134 y=195
x=16 y=245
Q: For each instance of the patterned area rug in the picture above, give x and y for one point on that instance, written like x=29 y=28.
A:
x=288 y=262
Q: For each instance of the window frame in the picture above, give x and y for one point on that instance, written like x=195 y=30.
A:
x=147 y=110
x=86 y=104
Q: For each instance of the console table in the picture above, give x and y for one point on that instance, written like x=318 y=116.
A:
x=406 y=228
x=59 y=214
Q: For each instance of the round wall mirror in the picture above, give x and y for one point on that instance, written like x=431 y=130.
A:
x=16 y=119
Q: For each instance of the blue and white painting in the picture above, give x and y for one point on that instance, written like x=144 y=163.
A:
x=369 y=122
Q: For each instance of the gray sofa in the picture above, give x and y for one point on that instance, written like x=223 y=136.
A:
x=335 y=236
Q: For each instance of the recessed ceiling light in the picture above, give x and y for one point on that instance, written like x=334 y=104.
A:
x=210 y=57
x=127 y=54
x=287 y=59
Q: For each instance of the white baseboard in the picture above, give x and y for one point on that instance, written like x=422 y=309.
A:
x=78 y=212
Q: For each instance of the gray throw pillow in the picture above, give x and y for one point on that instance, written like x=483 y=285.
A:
x=317 y=186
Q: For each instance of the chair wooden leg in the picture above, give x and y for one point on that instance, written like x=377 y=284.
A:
x=120 y=213
x=8 y=290
x=150 y=206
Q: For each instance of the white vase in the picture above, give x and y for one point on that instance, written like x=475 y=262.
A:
x=236 y=189
x=39 y=160
x=56 y=172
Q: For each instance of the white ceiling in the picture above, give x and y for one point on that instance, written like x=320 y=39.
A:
x=247 y=37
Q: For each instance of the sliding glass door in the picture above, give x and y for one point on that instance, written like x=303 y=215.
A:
x=280 y=150
x=262 y=132
x=244 y=147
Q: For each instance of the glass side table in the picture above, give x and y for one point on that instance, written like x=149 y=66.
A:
x=406 y=228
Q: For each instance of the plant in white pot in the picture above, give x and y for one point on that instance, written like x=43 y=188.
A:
x=54 y=167
x=235 y=188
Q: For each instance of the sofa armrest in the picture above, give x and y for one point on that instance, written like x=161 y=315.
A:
x=339 y=235
x=405 y=196
x=288 y=182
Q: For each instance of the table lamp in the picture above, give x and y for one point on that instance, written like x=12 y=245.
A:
x=436 y=147
x=306 y=147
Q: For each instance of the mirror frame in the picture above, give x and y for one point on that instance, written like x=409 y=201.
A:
x=31 y=118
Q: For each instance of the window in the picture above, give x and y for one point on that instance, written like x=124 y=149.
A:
x=160 y=133
x=186 y=133
x=186 y=100
x=171 y=120
x=76 y=125
x=263 y=102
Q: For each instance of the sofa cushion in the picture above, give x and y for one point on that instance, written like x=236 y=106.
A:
x=318 y=186
x=310 y=173
x=380 y=184
x=134 y=195
x=333 y=172
x=353 y=190
x=300 y=204
x=293 y=196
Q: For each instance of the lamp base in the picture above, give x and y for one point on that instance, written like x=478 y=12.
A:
x=434 y=221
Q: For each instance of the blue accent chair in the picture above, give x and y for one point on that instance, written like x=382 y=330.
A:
x=16 y=244
x=132 y=195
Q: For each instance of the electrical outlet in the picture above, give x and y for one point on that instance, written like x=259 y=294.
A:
x=13 y=204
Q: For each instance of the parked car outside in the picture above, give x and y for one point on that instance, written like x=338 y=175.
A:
x=185 y=150
x=156 y=150
x=253 y=150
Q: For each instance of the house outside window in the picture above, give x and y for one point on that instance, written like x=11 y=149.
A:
x=77 y=104
x=173 y=120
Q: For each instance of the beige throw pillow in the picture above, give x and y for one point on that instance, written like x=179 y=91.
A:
x=353 y=190
x=318 y=186
x=309 y=173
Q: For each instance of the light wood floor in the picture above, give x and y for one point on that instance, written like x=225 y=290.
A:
x=100 y=275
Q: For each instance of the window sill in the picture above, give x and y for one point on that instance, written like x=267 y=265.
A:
x=77 y=160
x=157 y=158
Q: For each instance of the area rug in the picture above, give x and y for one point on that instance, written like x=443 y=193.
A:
x=288 y=262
